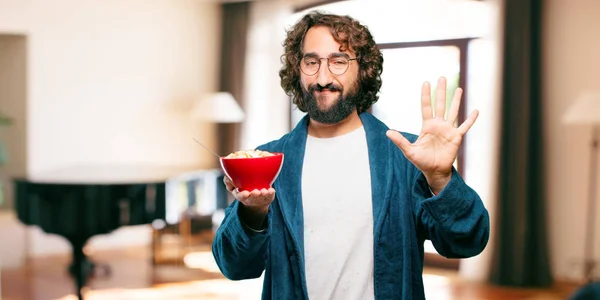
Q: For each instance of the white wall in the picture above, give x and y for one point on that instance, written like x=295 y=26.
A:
x=571 y=66
x=109 y=82
x=102 y=75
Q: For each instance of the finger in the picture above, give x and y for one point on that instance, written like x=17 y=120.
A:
x=440 y=99
x=466 y=125
x=228 y=183
x=426 y=111
x=454 y=106
x=270 y=194
x=399 y=140
x=241 y=195
x=255 y=193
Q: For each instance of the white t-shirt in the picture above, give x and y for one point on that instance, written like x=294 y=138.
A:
x=338 y=218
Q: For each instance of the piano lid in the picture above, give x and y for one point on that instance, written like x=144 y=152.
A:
x=111 y=174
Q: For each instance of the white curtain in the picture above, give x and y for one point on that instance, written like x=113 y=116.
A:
x=482 y=141
x=267 y=106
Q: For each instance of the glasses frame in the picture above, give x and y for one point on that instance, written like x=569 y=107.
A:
x=328 y=65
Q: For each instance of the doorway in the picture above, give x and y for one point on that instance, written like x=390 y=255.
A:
x=13 y=114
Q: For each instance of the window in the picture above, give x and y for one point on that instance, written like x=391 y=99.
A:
x=406 y=67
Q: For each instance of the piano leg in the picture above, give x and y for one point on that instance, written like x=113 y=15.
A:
x=80 y=267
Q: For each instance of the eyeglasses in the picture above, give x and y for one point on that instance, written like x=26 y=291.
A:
x=338 y=65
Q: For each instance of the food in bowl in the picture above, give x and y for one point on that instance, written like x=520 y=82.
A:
x=249 y=154
x=252 y=169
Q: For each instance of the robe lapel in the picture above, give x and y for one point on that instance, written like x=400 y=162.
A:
x=379 y=162
x=290 y=186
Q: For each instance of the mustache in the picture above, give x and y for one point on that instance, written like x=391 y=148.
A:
x=319 y=88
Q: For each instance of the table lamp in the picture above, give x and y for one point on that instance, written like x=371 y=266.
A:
x=220 y=108
x=586 y=111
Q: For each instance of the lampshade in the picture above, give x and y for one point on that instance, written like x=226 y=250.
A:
x=219 y=107
x=585 y=109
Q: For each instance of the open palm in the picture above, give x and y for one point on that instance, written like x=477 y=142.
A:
x=437 y=146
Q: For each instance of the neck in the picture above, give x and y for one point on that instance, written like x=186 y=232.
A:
x=321 y=130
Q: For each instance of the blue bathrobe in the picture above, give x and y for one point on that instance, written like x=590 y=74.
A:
x=405 y=214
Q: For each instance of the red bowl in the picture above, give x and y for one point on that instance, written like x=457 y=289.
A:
x=248 y=174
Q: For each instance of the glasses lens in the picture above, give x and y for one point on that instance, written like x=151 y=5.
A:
x=310 y=65
x=338 y=65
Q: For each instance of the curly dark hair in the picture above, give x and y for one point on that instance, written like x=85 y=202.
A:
x=351 y=35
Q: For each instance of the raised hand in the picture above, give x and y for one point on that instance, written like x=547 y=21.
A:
x=436 y=148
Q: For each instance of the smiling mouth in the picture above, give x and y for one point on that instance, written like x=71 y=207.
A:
x=325 y=91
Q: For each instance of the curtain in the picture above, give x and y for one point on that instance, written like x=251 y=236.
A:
x=233 y=54
x=267 y=105
x=520 y=253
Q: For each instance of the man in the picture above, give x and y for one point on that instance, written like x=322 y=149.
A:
x=354 y=201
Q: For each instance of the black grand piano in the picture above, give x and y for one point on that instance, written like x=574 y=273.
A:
x=80 y=202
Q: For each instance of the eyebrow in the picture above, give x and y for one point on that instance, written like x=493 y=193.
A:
x=335 y=54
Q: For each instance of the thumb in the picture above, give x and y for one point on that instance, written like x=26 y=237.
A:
x=399 y=140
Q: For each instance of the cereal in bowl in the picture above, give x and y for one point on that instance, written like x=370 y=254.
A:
x=249 y=154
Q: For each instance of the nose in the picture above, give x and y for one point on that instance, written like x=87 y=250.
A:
x=324 y=76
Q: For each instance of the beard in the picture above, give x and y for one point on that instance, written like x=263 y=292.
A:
x=341 y=108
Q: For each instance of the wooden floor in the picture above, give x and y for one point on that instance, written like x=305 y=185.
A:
x=133 y=277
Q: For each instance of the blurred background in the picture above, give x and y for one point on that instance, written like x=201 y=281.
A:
x=104 y=190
